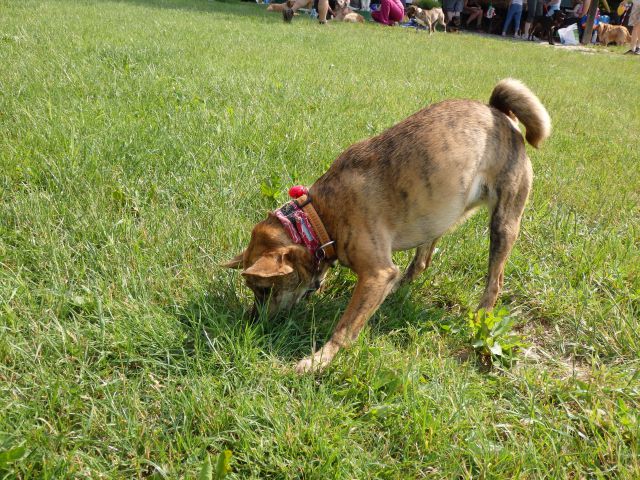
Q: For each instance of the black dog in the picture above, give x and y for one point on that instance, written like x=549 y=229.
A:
x=546 y=27
x=287 y=14
x=453 y=26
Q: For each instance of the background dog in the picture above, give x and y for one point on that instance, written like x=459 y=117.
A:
x=427 y=18
x=343 y=13
x=545 y=27
x=399 y=190
x=287 y=14
x=613 y=34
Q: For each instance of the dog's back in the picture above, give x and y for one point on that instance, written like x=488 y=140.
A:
x=437 y=160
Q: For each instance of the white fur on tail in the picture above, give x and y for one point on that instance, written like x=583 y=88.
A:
x=513 y=96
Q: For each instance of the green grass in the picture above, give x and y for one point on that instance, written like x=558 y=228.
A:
x=134 y=138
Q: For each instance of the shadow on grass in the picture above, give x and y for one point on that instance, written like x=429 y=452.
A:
x=219 y=320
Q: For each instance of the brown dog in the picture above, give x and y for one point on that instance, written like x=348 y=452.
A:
x=343 y=13
x=613 y=34
x=402 y=189
x=427 y=18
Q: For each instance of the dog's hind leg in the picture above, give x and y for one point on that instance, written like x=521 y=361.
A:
x=505 y=225
x=420 y=262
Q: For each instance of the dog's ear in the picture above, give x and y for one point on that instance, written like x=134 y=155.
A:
x=269 y=266
x=235 y=262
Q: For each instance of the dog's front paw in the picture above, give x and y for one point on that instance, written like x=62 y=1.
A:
x=307 y=365
x=318 y=361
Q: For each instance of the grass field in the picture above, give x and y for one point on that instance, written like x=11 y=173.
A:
x=139 y=142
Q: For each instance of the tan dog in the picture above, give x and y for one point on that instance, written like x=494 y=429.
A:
x=343 y=13
x=404 y=189
x=427 y=18
x=613 y=33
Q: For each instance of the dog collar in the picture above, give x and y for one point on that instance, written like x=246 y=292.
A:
x=302 y=223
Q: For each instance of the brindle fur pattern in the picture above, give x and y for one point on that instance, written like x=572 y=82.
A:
x=404 y=189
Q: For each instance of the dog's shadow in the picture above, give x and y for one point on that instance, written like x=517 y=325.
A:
x=218 y=320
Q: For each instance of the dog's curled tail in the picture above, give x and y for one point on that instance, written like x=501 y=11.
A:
x=512 y=96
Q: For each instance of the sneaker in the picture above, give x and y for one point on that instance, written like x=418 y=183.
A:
x=632 y=51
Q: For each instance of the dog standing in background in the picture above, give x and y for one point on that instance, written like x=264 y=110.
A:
x=427 y=18
x=545 y=27
x=617 y=34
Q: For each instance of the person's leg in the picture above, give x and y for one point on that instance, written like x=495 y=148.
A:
x=458 y=9
x=446 y=8
x=532 y=8
x=479 y=14
x=635 y=38
x=323 y=8
x=516 y=24
x=507 y=21
x=473 y=14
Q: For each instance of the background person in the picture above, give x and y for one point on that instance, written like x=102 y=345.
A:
x=390 y=12
x=552 y=6
x=634 y=20
x=474 y=10
x=452 y=8
x=513 y=14
x=534 y=10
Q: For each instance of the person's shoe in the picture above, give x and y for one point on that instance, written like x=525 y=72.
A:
x=504 y=34
x=631 y=52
